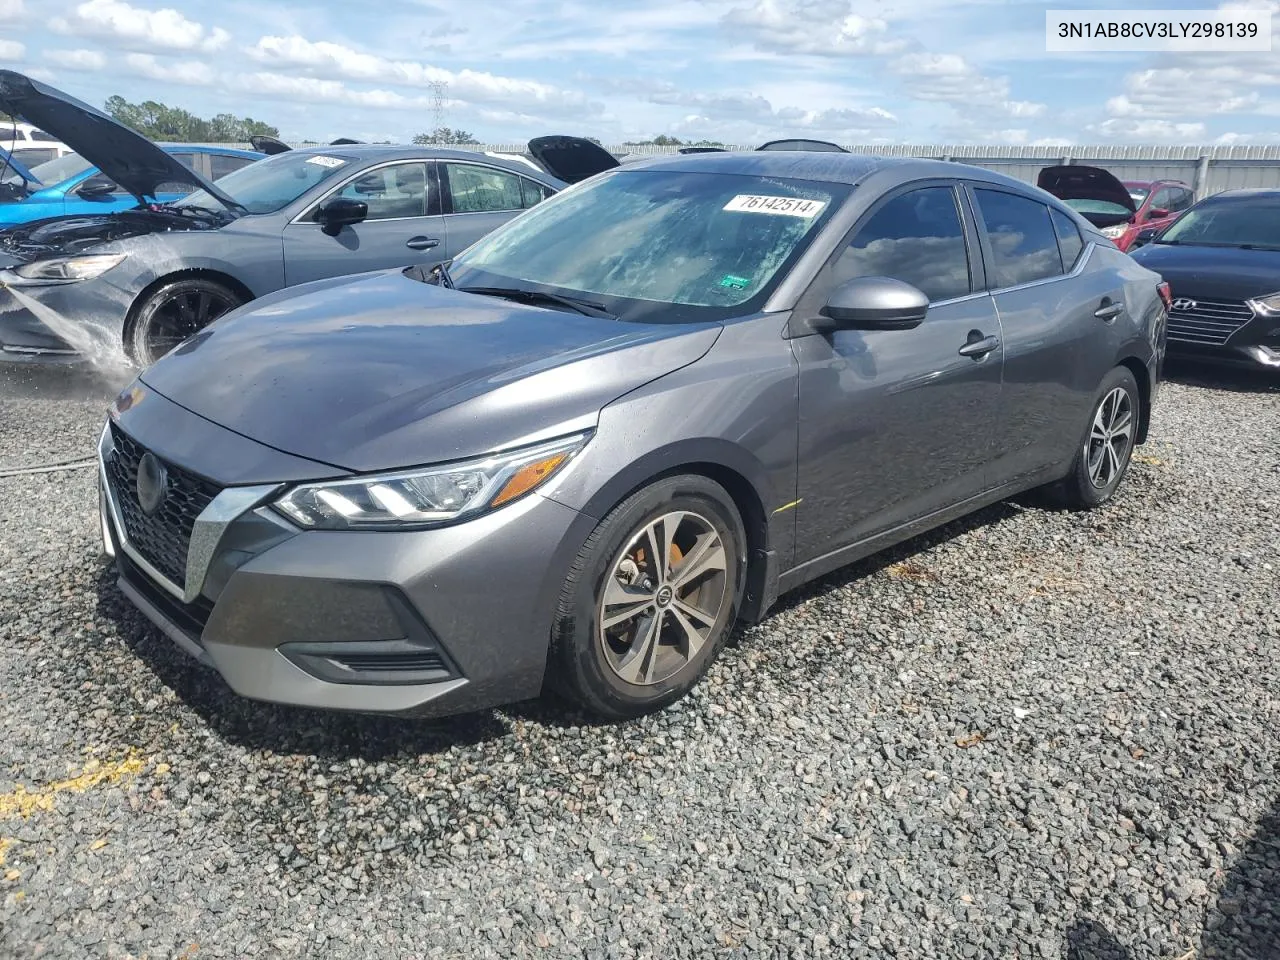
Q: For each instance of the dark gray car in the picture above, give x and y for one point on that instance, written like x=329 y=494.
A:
x=131 y=285
x=619 y=424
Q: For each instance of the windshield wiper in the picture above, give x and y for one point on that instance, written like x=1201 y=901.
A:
x=587 y=308
x=443 y=279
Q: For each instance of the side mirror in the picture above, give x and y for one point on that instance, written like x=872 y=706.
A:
x=95 y=190
x=1157 y=213
x=341 y=212
x=874 y=303
x=1144 y=237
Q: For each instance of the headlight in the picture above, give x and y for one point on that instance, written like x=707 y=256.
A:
x=1268 y=306
x=430 y=496
x=70 y=268
x=1116 y=232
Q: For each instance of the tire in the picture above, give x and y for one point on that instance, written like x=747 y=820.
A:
x=174 y=311
x=1095 y=476
x=619 y=672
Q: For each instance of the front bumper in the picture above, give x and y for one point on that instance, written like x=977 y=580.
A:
x=62 y=323
x=422 y=623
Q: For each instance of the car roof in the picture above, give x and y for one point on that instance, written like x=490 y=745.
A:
x=1248 y=193
x=394 y=151
x=209 y=148
x=1152 y=183
x=850 y=168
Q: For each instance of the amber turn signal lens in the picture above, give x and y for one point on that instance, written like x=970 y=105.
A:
x=528 y=477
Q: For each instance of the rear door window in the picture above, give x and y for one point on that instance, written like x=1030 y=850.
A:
x=1024 y=247
x=478 y=189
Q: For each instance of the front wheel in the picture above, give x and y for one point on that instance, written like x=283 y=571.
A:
x=175 y=311
x=650 y=599
x=1103 y=458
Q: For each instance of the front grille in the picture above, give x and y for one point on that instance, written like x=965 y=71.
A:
x=1209 y=321
x=190 y=618
x=162 y=539
x=392 y=663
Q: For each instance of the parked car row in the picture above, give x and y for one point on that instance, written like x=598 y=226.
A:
x=1221 y=256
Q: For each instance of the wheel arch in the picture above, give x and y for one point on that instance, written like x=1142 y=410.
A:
x=746 y=482
x=1142 y=374
x=190 y=273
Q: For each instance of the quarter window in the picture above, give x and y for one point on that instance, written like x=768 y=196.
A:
x=1070 y=243
x=1024 y=246
x=1182 y=199
x=918 y=238
x=1163 y=200
x=533 y=192
x=392 y=193
x=478 y=189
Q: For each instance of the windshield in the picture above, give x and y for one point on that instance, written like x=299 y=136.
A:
x=52 y=172
x=266 y=186
x=1237 y=222
x=1098 y=206
x=1139 y=194
x=662 y=246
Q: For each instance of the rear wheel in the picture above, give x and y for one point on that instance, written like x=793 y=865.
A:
x=650 y=599
x=1103 y=458
x=175 y=311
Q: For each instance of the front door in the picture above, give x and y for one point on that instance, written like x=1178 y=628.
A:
x=897 y=424
x=404 y=227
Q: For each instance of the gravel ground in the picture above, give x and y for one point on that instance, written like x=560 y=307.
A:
x=1033 y=734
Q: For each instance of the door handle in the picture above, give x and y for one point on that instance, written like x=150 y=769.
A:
x=422 y=243
x=1109 y=310
x=979 y=348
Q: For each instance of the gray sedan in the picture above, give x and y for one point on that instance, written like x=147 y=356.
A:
x=618 y=425
x=134 y=284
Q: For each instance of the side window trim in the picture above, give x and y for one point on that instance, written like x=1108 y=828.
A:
x=307 y=216
x=1081 y=262
x=809 y=302
x=444 y=177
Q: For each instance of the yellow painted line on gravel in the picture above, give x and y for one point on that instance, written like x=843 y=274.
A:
x=22 y=802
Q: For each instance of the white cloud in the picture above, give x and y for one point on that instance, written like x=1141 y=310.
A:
x=12 y=10
x=1149 y=130
x=1239 y=85
x=314 y=90
x=950 y=78
x=115 y=21
x=191 y=73
x=828 y=28
x=88 y=60
x=12 y=51
x=332 y=60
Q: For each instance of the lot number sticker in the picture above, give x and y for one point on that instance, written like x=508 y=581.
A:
x=326 y=161
x=779 y=206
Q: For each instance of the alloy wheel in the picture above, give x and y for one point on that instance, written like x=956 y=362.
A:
x=663 y=598
x=1110 y=438
x=181 y=315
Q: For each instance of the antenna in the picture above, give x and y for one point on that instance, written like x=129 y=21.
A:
x=439 y=91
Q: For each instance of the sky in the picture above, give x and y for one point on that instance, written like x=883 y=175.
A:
x=735 y=71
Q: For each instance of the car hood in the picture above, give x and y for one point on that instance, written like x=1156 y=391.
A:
x=381 y=371
x=1079 y=182
x=128 y=158
x=1221 y=273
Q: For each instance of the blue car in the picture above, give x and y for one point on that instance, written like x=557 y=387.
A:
x=71 y=184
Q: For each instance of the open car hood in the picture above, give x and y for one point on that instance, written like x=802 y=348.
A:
x=128 y=158
x=268 y=145
x=571 y=159
x=1077 y=182
x=811 y=146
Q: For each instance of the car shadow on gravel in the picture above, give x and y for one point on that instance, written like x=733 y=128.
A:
x=1244 y=922
x=1211 y=376
x=258 y=726
x=988 y=516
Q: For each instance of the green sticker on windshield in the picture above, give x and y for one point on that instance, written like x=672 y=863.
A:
x=737 y=283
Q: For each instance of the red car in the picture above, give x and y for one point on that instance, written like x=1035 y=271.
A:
x=1120 y=210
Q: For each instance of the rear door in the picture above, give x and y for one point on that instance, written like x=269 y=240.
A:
x=404 y=226
x=1053 y=311
x=479 y=198
x=898 y=424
